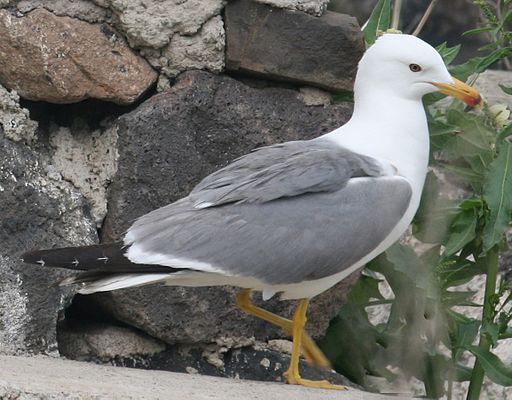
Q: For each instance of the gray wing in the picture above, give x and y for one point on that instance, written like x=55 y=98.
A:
x=283 y=170
x=306 y=233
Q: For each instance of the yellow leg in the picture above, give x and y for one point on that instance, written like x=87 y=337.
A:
x=311 y=351
x=292 y=375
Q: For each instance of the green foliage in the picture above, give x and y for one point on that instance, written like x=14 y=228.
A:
x=425 y=335
x=493 y=366
x=379 y=21
x=498 y=196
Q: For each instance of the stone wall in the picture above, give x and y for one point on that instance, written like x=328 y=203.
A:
x=109 y=109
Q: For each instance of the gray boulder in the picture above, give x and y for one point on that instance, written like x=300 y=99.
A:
x=38 y=209
x=292 y=46
x=165 y=147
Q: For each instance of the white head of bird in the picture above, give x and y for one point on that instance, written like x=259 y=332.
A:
x=407 y=68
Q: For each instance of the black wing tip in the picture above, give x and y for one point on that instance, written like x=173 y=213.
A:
x=31 y=257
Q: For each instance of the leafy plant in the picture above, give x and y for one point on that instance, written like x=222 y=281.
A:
x=426 y=336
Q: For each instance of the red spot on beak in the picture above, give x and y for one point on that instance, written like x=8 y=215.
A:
x=471 y=101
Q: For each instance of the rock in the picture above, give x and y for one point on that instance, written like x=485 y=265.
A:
x=84 y=10
x=42 y=378
x=488 y=85
x=293 y=46
x=14 y=119
x=205 y=50
x=88 y=160
x=102 y=342
x=165 y=147
x=314 y=7
x=126 y=347
x=149 y=23
x=314 y=97
x=63 y=60
x=163 y=83
x=38 y=211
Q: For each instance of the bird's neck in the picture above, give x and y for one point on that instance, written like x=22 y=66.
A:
x=394 y=130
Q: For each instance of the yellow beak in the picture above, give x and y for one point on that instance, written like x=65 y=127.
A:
x=460 y=91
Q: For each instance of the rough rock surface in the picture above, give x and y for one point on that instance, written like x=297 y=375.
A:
x=294 y=46
x=315 y=7
x=488 y=85
x=88 y=160
x=165 y=147
x=14 y=119
x=38 y=210
x=149 y=23
x=229 y=358
x=204 y=50
x=101 y=342
x=81 y=9
x=314 y=97
x=64 y=60
x=41 y=378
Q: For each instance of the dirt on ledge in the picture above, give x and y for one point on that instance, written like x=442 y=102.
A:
x=45 y=378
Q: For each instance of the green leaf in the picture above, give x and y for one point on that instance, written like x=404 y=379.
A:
x=492 y=331
x=496 y=55
x=462 y=231
x=434 y=214
x=473 y=138
x=379 y=21
x=506 y=89
x=477 y=65
x=506 y=132
x=471 y=204
x=448 y=53
x=346 y=97
x=478 y=30
x=494 y=368
x=462 y=373
x=498 y=196
x=458 y=273
x=451 y=299
x=463 y=334
x=463 y=71
x=505 y=20
x=366 y=289
x=475 y=178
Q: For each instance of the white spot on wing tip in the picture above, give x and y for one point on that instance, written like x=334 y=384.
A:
x=203 y=204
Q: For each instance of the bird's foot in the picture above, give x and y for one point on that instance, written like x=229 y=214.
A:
x=314 y=355
x=295 y=379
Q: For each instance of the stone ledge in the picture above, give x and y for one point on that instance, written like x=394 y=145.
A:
x=45 y=378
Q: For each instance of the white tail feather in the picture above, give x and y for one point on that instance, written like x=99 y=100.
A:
x=122 y=281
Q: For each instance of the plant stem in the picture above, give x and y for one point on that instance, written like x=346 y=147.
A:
x=396 y=14
x=477 y=376
x=425 y=17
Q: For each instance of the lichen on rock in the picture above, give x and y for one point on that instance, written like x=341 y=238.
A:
x=314 y=7
x=148 y=23
x=81 y=9
x=205 y=50
x=88 y=160
x=14 y=119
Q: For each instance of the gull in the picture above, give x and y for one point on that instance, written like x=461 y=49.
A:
x=291 y=219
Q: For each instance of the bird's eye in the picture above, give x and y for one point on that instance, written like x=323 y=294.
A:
x=414 y=67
